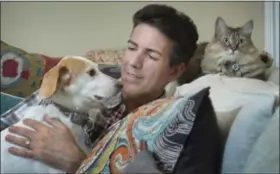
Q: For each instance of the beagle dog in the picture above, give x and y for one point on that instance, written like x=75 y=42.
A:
x=68 y=92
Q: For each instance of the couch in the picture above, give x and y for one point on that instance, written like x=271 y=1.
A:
x=247 y=110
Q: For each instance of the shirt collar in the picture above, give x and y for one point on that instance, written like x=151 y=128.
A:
x=118 y=99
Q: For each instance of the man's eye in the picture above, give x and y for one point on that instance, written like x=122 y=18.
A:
x=131 y=48
x=152 y=57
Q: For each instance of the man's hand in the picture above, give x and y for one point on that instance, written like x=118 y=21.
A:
x=53 y=145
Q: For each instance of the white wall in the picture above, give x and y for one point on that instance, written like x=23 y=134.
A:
x=62 y=28
x=272 y=26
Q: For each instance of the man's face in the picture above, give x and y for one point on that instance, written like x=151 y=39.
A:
x=145 y=64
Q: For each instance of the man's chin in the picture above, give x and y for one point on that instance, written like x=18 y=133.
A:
x=132 y=90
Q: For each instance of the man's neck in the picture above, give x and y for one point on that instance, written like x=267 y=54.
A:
x=133 y=103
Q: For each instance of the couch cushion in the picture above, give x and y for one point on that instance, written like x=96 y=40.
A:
x=22 y=72
x=264 y=157
x=229 y=94
x=246 y=129
x=164 y=125
x=8 y=101
x=273 y=75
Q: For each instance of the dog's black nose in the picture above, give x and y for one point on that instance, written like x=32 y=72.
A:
x=113 y=71
x=119 y=85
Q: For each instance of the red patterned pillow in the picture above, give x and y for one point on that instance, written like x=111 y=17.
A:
x=22 y=72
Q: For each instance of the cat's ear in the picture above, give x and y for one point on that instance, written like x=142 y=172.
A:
x=247 y=28
x=220 y=26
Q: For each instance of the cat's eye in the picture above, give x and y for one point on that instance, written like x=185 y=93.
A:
x=226 y=40
x=91 y=72
x=241 y=41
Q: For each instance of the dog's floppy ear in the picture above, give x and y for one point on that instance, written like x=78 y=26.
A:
x=55 y=78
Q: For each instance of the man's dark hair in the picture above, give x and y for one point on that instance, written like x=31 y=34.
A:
x=175 y=25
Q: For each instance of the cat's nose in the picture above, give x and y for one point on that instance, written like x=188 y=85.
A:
x=234 y=48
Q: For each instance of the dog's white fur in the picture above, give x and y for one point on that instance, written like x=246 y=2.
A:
x=76 y=90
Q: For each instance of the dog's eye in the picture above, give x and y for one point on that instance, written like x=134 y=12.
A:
x=91 y=72
x=98 y=97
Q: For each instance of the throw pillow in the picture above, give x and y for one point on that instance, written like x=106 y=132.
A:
x=22 y=72
x=165 y=126
x=202 y=150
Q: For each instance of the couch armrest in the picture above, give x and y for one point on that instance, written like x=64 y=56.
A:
x=273 y=75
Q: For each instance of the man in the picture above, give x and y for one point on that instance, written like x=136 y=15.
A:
x=160 y=45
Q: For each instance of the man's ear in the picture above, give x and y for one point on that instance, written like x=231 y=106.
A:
x=55 y=78
x=176 y=71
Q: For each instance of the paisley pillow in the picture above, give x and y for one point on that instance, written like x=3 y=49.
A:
x=163 y=126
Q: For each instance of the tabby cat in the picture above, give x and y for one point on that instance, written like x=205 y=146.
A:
x=231 y=52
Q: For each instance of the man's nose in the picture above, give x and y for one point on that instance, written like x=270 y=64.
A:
x=136 y=60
